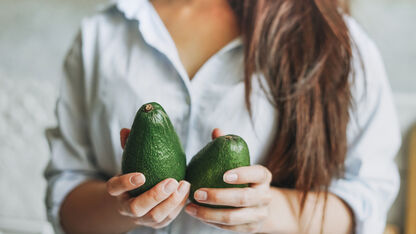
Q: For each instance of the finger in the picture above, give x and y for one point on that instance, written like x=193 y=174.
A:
x=216 y=133
x=142 y=204
x=243 y=228
x=165 y=208
x=124 y=134
x=172 y=215
x=178 y=209
x=121 y=184
x=236 y=216
x=124 y=201
x=236 y=197
x=256 y=175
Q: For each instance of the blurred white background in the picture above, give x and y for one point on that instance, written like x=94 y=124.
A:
x=34 y=37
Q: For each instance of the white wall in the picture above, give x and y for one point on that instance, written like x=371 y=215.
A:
x=34 y=37
x=392 y=24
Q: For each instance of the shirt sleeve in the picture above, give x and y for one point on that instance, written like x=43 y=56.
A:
x=72 y=161
x=371 y=179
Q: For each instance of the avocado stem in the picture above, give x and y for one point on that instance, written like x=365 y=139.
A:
x=148 y=108
x=228 y=137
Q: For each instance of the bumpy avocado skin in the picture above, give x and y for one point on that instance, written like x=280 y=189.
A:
x=153 y=148
x=207 y=167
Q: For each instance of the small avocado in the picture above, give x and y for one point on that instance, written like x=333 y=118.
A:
x=153 y=148
x=206 y=169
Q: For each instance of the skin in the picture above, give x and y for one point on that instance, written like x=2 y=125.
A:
x=199 y=28
x=83 y=210
x=105 y=207
x=261 y=208
x=265 y=209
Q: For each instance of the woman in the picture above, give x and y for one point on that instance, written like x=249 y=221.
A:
x=298 y=80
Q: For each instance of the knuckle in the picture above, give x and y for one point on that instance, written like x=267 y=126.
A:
x=161 y=225
x=109 y=186
x=137 y=221
x=252 y=228
x=134 y=210
x=269 y=175
x=121 y=211
x=200 y=213
x=265 y=173
x=155 y=217
x=244 y=197
x=176 y=199
x=109 y=189
x=214 y=196
x=170 y=216
x=227 y=218
x=156 y=194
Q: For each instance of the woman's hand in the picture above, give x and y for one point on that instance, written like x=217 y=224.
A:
x=252 y=203
x=154 y=208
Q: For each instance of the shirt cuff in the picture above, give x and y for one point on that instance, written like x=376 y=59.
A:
x=369 y=217
x=58 y=188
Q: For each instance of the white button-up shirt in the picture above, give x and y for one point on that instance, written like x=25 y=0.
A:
x=124 y=57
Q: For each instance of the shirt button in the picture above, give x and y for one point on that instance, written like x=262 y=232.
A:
x=188 y=100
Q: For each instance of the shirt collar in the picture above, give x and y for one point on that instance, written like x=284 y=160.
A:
x=156 y=35
x=130 y=8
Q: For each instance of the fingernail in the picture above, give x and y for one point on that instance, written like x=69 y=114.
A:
x=137 y=179
x=183 y=188
x=171 y=186
x=191 y=210
x=201 y=195
x=230 y=177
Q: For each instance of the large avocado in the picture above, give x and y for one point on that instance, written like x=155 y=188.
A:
x=207 y=167
x=153 y=148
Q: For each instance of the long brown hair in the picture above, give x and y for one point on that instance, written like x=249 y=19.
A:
x=303 y=51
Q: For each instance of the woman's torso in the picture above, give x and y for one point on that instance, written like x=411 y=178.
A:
x=135 y=61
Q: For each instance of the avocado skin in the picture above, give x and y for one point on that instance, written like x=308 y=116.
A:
x=207 y=167
x=153 y=148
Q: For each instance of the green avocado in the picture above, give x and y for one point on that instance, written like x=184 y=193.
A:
x=153 y=148
x=207 y=167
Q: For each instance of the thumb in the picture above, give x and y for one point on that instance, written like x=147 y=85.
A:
x=216 y=133
x=124 y=134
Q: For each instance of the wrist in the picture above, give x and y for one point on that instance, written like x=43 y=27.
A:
x=127 y=222
x=124 y=223
x=282 y=214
